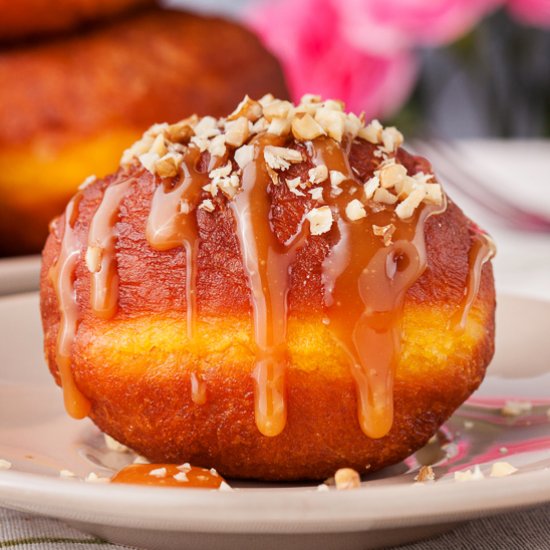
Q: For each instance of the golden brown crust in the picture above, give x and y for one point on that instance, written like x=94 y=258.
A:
x=159 y=65
x=71 y=105
x=155 y=415
x=25 y=18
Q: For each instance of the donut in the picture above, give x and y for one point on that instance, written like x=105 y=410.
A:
x=74 y=103
x=32 y=18
x=276 y=294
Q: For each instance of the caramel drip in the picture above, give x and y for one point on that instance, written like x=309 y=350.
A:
x=187 y=477
x=267 y=262
x=104 y=285
x=62 y=276
x=481 y=251
x=365 y=284
x=172 y=223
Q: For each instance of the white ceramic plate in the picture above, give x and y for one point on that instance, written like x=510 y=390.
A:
x=389 y=508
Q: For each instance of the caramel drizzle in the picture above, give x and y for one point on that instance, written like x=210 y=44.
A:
x=365 y=282
x=267 y=262
x=62 y=276
x=482 y=250
x=104 y=283
x=172 y=223
x=365 y=285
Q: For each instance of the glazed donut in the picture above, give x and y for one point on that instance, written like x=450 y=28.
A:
x=275 y=294
x=73 y=104
x=25 y=18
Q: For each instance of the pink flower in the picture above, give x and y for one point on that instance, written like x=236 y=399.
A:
x=388 y=25
x=311 y=42
x=532 y=12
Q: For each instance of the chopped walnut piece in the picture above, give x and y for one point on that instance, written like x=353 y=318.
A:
x=318 y=174
x=293 y=185
x=158 y=472
x=469 y=475
x=168 y=165
x=336 y=178
x=278 y=109
x=306 y=128
x=406 y=208
x=502 y=469
x=207 y=127
x=207 y=205
x=392 y=175
x=181 y=476
x=384 y=196
x=244 y=155
x=346 y=479
x=355 y=210
x=66 y=474
x=280 y=158
x=434 y=194
x=331 y=121
x=279 y=126
x=352 y=125
x=265 y=100
x=182 y=131
x=4 y=464
x=248 y=108
x=425 y=473
x=316 y=193
x=516 y=408
x=320 y=220
x=148 y=160
x=392 y=138
x=93 y=258
x=384 y=231
x=229 y=185
x=372 y=132
x=237 y=131
x=371 y=186
x=92 y=477
x=216 y=146
x=221 y=172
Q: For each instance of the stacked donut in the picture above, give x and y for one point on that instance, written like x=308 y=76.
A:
x=82 y=79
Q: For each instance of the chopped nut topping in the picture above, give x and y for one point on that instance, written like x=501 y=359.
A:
x=168 y=165
x=392 y=138
x=279 y=126
x=158 y=146
x=316 y=193
x=469 y=475
x=280 y=158
x=293 y=185
x=5 y=464
x=278 y=109
x=392 y=175
x=244 y=155
x=502 y=469
x=248 y=108
x=185 y=467
x=331 y=121
x=114 y=445
x=371 y=186
x=346 y=478
x=207 y=205
x=92 y=477
x=336 y=178
x=221 y=172
x=384 y=231
x=406 y=208
x=318 y=174
x=181 y=476
x=237 y=131
x=516 y=408
x=425 y=473
x=148 y=160
x=372 y=132
x=320 y=220
x=182 y=131
x=225 y=487
x=158 y=472
x=306 y=128
x=66 y=474
x=355 y=210
x=323 y=487
x=384 y=196
x=216 y=146
x=207 y=127
x=93 y=258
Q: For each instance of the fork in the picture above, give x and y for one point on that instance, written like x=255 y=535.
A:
x=473 y=186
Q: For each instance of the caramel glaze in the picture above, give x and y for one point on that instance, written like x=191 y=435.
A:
x=194 y=478
x=62 y=276
x=365 y=281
